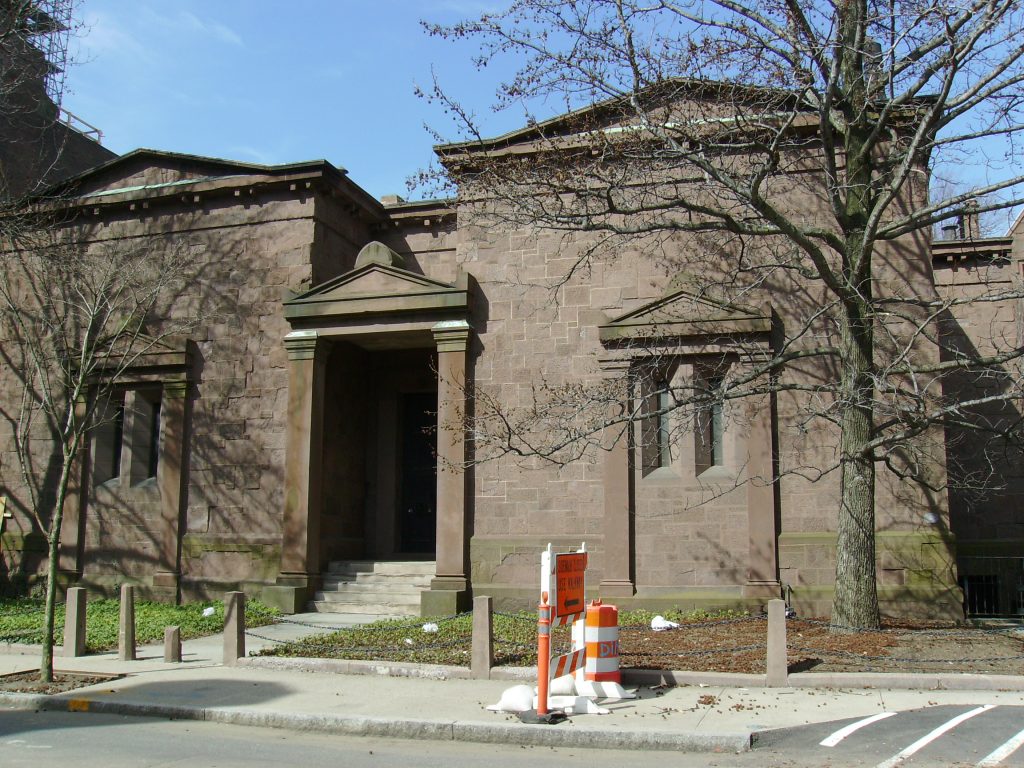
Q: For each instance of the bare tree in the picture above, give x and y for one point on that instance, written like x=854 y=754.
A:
x=65 y=311
x=785 y=147
x=75 y=319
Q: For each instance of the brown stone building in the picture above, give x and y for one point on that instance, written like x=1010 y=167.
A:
x=309 y=425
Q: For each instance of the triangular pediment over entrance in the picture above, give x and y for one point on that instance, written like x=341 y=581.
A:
x=377 y=287
x=684 y=313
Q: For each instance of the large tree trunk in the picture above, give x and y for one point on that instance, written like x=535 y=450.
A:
x=856 y=594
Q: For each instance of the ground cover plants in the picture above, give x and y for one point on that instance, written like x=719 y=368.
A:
x=21 y=621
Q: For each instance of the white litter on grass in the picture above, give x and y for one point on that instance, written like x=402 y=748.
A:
x=430 y=627
x=207 y=612
x=660 y=623
x=408 y=641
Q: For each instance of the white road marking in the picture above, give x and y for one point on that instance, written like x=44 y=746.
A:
x=842 y=733
x=930 y=737
x=1003 y=751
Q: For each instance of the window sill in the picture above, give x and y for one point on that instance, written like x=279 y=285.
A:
x=662 y=474
x=717 y=474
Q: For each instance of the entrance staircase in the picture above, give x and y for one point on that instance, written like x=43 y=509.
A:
x=374 y=587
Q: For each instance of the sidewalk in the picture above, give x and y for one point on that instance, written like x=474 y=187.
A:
x=266 y=692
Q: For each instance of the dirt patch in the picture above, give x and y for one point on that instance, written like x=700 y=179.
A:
x=28 y=682
x=739 y=646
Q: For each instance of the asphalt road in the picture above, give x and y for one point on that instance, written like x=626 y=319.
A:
x=78 y=740
x=935 y=736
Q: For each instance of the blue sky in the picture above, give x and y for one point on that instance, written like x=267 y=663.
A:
x=271 y=81
x=279 y=81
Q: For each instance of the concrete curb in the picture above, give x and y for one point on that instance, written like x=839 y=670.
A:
x=356 y=667
x=438 y=730
x=949 y=681
x=921 y=681
x=384 y=668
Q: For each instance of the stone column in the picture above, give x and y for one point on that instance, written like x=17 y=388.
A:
x=234 y=628
x=449 y=589
x=126 y=625
x=777 y=671
x=618 y=499
x=303 y=474
x=74 y=623
x=482 y=658
x=172 y=480
x=172 y=644
x=763 y=558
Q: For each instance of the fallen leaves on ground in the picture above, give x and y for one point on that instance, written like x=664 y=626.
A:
x=701 y=643
x=28 y=682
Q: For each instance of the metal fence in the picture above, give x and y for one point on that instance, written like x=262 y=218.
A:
x=993 y=587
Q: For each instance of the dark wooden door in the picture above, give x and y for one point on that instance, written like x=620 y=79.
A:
x=417 y=469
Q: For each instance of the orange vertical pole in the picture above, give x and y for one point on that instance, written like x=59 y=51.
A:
x=543 y=653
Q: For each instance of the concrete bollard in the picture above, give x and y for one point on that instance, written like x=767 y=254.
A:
x=126 y=628
x=74 y=622
x=778 y=666
x=172 y=644
x=234 y=628
x=483 y=638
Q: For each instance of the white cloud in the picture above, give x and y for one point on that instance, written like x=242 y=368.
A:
x=184 y=21
x=213 y=28
x=105 y=37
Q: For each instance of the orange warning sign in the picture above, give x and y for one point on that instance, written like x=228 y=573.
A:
x=569 y=570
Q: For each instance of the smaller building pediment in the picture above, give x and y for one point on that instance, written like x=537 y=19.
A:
x=376 y=286
x=135 y=358
x=683 y=313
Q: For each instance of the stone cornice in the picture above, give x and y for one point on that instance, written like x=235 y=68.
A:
x=167 y=359
x=452 y=335
x=301 y=345
x=301 y=179
x=987 y=248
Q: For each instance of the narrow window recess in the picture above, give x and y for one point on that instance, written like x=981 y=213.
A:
x=107 y=438
x=145 y=438
x=709 y=427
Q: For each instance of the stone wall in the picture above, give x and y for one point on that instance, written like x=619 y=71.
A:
x=245 y=256
x=691 y=532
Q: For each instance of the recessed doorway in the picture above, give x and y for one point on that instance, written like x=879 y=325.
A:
x=417 y=472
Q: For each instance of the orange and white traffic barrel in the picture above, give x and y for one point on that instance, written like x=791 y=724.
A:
x=601 y=635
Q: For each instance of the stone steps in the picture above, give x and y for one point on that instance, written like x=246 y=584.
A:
x=387 y=587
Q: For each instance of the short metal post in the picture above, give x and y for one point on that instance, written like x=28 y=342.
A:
x=543 y=653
